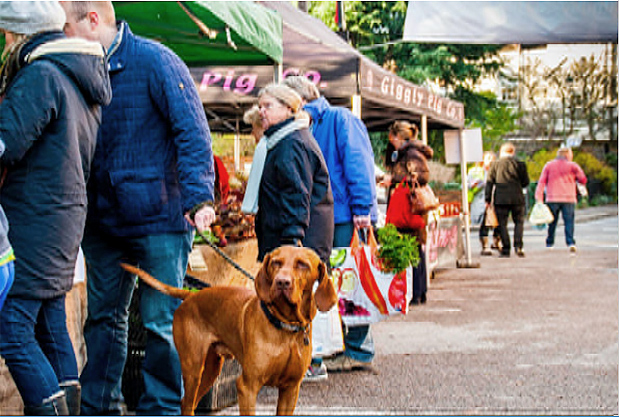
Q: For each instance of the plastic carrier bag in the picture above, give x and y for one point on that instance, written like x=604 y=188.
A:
x=541 y=214
x=367 y=294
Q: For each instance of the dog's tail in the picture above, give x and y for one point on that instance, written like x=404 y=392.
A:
x=156 y=284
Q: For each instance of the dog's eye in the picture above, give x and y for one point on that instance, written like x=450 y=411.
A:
x=276 y=264
x=302 y=265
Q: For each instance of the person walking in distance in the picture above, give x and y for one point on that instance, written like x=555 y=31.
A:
x=558 y=183
x=152 y=182
x=506 y=179
x=477 y=186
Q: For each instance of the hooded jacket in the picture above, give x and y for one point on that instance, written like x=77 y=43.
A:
x=49 y=119
x=345 y=144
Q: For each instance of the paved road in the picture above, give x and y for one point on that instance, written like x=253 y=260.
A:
x=532 y=336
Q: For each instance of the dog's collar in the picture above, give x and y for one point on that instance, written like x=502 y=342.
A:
x=294 y=328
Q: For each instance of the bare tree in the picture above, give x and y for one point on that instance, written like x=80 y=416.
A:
x=589 y=91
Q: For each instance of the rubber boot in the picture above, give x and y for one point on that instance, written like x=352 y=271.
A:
x=485 y=246
x=54 y=406
x=73 y=393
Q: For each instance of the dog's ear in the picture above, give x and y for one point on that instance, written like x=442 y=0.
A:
x=262 y=282
x=325 y=295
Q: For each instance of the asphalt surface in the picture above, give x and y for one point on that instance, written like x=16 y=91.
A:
x=531 y=336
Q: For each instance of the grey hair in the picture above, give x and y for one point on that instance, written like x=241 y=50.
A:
x=284 y=95
x=252 y=116
x=302 y=85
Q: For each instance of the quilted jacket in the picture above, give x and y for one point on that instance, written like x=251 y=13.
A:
x=153 y=161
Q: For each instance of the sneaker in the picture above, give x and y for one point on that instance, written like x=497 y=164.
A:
x=573 y=249
x=316 y=373
x=549 y=247
x=341 y=363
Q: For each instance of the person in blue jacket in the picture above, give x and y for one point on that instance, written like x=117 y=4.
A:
x=152 y=181
x=345 y=144
x=52 y=90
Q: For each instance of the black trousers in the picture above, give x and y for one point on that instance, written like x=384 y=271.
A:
x=518 y=214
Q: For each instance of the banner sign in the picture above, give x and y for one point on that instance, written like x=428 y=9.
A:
x=383 y=86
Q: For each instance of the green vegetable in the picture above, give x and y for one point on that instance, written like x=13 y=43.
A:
x=198 y=239
x=396 y=251
x=337 y=258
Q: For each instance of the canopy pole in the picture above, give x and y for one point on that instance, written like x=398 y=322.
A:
x=356 y=105
x=237 y=148
x=278 y=71
x=424 y=129
x=467 y=262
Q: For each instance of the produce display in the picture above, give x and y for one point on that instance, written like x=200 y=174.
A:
x=231 y=224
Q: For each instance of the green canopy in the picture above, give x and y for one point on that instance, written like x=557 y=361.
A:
x=208 y=32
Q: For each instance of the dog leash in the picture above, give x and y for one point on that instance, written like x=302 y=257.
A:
x=223 y=255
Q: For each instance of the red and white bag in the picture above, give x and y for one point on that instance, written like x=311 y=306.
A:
x=367 y=294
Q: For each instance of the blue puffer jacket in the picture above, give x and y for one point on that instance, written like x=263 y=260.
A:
x=346 y=147
x=153 y=161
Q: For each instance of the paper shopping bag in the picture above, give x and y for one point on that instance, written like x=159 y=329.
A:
x=491 y=219
x=367 y=294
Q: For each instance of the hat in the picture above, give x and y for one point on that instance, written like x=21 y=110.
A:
x=28 y=17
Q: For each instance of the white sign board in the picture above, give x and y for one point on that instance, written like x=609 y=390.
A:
x=473 y=146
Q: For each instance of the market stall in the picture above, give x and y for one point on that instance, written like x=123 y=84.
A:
x=344 y=76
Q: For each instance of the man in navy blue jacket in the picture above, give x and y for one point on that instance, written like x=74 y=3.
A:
x=152 y=180
x=346 y=147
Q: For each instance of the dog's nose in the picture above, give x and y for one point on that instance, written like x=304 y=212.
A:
x=283 y=282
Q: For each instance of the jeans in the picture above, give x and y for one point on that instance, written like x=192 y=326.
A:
x=35 y=344
x=518 y=214
x=7 y=274
x=109 y=294
x=358 y=342
x=567 y=211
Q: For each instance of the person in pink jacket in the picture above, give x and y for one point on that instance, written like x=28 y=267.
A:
x=558 y=183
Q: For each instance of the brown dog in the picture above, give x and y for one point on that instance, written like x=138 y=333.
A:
x=268 y=331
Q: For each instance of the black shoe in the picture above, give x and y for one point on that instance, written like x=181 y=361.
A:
x=415 y=301
x=423 y=298
x=504 y=255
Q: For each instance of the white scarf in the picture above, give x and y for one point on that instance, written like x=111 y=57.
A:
x=266 y=143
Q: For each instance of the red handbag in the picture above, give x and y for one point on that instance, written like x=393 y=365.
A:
x=399 y=211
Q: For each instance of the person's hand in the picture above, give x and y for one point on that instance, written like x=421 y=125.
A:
x=386 y=181
x=362 y=221
x=202 y=219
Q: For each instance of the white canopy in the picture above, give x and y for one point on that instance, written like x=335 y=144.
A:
x=506 y=22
